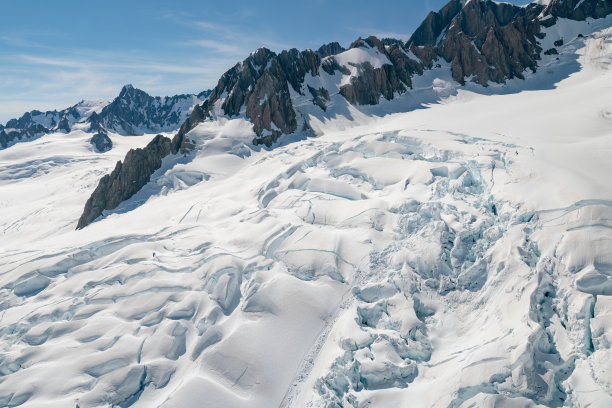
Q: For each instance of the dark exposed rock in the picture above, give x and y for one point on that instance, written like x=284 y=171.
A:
x=332 y=48
x=296 y=65
x=204 y=94
x=434 y=24
x=484 y=41
x=319 y=96
x=491 y=41
x=551 y=51
x=371 y=83
x=64 y=125
x=578 y=9
x=180 y=143
x=95 y=123
x=101 y=142
x=260 y=84
x=127 y=179
x=134 y=112
x=11 y=135
x=136 y=170
x=330 y=65
x=391 y=41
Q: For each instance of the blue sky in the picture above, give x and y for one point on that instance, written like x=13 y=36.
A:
x=55 y=53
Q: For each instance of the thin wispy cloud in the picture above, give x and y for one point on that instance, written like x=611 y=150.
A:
x=230 y=35
x=51 y=82
x=222 y=47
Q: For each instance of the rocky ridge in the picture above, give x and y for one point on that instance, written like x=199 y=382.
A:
x=133 y=112
x=126 y=179
x=578 y=9
x=483 y=42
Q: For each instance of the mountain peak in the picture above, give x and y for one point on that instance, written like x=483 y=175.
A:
x=128 y=91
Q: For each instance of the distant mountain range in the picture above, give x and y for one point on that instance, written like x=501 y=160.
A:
x=132 y=112
x=480 y=41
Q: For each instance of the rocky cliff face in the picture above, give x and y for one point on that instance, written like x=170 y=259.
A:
x=260 y=86
x=578 y=9
x=126 y=179
x=491 y=42
x=10 y=136
x=332 y=48
x=369 y=83
x=36 y=123
x=434 y=25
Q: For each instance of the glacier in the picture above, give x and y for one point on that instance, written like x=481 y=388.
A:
x=449 y=256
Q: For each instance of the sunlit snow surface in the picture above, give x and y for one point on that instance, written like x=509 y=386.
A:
x=453 y=256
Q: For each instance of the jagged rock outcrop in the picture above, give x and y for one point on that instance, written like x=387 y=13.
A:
x=332 y=48
x=484 y=41
x=126 y=179
x=95 y=123
x=578 y=9
x=434 y=25
x=101 y=142
x=320 y=96
x=136 y=169
x=9 y=136
x=134 y=112
x=260 y=84
x=370 y=83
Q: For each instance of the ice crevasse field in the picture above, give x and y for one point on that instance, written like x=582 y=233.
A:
x=452 y=256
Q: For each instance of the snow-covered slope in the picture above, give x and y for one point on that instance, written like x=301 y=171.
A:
x=450 y=256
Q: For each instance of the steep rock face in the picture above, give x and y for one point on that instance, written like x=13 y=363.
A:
x=484 y=41
x=260 y=86
x=126 y=179
x=180 y=143
x=134 y=112
x=578 y=9
x=332 y=48
x=136 y=169
x=101 y=142
x=434 y=24
x=370 y=83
